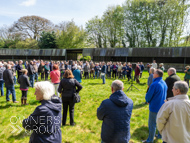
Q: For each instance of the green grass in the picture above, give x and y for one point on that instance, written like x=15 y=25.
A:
x=88 y=127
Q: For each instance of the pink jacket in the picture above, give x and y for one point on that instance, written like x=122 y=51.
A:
x=55 y=76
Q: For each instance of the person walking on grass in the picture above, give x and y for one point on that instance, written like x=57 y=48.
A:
x=9 y=84
x=155 y=97
x=115 y=113
x=24 y=85
x=187 y=74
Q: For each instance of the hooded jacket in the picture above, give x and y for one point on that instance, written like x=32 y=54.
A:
x=45 y=122
x=115 y=113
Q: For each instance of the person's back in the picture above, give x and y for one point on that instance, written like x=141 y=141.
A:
x=2 y=69
x=24 y=82
x=77 y=75
x=170 y=82
x=8 y=77
x=115 y=113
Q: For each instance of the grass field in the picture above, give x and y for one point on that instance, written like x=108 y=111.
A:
x=88 y=127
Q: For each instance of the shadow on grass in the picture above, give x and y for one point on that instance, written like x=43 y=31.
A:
x=94 y=83
x=21 y=135
x=9 y=105
x=140 y=133
x=139 y=105
x=34 y=102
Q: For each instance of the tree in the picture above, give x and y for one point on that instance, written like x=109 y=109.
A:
x=70 y=36
x=27 y=44
x=47 y=40
x=31 y=26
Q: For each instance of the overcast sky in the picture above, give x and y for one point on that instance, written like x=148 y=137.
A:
x=55 y=10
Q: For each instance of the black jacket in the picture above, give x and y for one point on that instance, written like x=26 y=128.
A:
x=67 y=87
x=45 y=122
x=19 y=68
x=24 y=82
x=8 y=77
x=31 y=69
x=170 y=83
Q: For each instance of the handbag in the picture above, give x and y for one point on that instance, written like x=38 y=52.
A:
x=76 y=97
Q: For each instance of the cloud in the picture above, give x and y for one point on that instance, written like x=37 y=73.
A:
x=28 y=3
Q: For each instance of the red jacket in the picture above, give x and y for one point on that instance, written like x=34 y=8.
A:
x=55 y=76
x=137 y=71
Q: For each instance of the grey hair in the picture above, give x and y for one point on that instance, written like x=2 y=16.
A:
x=117 y=85
x=78 y=67
x=152 y=70
x=182 y=86
x=173 y=70
x=46 y=88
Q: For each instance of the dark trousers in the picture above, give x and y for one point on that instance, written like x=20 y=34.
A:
x=114 y=73
x=46 y=76
x=1 y=87
x=42 y=75
x=71 y=105
x=24 y=94
x=86 y=75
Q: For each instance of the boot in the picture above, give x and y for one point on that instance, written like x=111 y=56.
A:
x=22 y=103
x=25 y=102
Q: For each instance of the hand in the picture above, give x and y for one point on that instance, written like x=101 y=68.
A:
x=185 y=70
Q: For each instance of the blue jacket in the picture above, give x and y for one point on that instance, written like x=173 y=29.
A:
x=142 y=67
x=77 y=75
x=115 y=113
x=156 y=94
x=114 y=69
x=45 y=122
x=96 y=68
x=103 y=69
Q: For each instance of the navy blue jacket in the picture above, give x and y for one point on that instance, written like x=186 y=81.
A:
x=142 y=67
x=96 y=68
x=156 y=94
x=103 y=69
x=115 y=113
x=45 y=122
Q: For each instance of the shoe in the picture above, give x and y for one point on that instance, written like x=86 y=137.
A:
x=8 y=100
x=158 y=136
x=73 y=124
x=144 y=141
x=15 y=102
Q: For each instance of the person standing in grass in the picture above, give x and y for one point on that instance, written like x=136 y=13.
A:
x=103 y=72
x=77 y=74
x=170 y=80
x=173 y=119
x=67 y=88
x=155 y=96
x=31 y=73
x=2 y=69
x=55 y=77
x=47 y=70
x=187 y=74
x=24 y=85
x=115 y=113
x=9 y=84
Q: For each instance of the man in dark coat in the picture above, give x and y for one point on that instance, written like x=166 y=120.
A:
x=9 y=84
x=31 y=73
x=116 y=113
x=170 y=81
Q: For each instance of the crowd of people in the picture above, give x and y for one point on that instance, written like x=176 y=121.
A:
x=169 y=104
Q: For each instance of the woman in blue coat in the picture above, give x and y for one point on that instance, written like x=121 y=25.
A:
x=77 y=74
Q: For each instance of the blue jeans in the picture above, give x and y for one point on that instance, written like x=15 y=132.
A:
x=32 y=79
x=1 y=86
x=14 y=78
x=152 y=127
x=11 y=89
x=36 y=76
x=104 y=79
x=96 y=74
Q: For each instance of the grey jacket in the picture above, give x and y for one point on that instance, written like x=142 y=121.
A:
x=8 y=77
x=24 y=82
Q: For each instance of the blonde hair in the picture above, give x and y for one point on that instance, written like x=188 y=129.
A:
x=24 y=71
x=46 y=88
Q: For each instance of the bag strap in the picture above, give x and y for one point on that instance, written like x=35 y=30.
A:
x=56 y=73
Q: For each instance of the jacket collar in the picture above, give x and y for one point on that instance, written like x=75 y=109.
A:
x=181 y=96
x=172 y=74
x=156 y=79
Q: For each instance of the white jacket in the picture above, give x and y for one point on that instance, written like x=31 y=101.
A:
x=173 y=120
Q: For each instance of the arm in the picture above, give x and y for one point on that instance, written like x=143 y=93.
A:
x=150 y=93
x=60 y=87
x=78 y=85
x=101 y=111
x=163 y=116
x=28 y=83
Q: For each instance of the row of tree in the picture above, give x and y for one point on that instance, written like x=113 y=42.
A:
x=137 y=23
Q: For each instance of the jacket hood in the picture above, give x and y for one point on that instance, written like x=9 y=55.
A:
x=119 y=98
x=54 y=104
